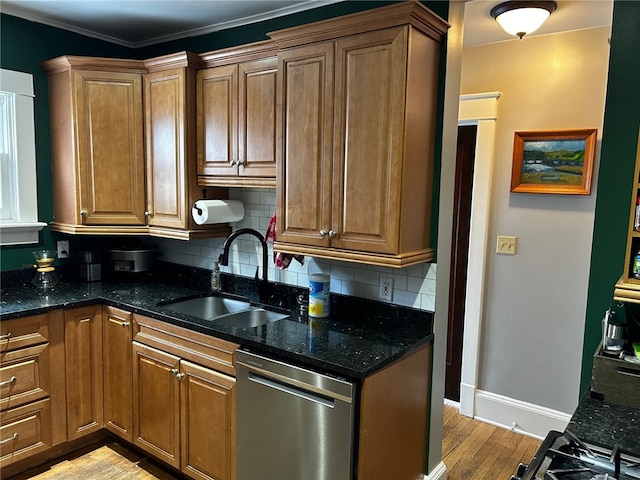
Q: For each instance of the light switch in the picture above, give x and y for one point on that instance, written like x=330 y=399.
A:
x=506 y=245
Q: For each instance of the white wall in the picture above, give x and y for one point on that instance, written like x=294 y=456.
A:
x=535 y=301
x=412 y=286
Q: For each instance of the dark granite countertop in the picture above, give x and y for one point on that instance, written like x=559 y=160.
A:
x=607 y=424
x=359 y=338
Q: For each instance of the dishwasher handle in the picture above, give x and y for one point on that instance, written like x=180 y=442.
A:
x=286 y=377
x=291 y=389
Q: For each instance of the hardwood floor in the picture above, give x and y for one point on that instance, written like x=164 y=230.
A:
x=107 y=462
x=474 y=450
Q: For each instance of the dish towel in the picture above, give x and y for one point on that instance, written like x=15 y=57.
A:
x=280 y=260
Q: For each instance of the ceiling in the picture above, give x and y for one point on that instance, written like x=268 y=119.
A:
x=138 y=23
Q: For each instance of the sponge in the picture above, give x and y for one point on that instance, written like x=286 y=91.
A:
x=636 y=349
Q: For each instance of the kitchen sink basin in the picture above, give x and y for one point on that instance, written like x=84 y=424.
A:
x=253 y=317
x=207 y=308
x=225 y=311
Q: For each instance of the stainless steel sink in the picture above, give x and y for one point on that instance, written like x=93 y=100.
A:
x=225 y=311
x=253 y=317
x=208 y=308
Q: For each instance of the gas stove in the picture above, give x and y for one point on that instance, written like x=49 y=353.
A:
x=563 y=456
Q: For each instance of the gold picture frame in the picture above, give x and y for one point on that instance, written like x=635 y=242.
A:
x=553 y=161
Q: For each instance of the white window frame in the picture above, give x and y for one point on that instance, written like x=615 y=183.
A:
x=25 y=227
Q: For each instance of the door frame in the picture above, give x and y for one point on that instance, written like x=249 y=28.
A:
x=481 y=110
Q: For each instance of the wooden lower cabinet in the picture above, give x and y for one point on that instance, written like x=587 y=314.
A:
x=83 y=348
x=25 y=431
x=394 y=410
x=156 y=403
x=208 y=400
x=117 y=372
x=32 y=395
x=184 y=412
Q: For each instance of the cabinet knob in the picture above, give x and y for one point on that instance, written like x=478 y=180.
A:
x=233 y=163
x=323 y=232
x=332 y=233
x=176 y=373
x=241 y=163
x=148 y=214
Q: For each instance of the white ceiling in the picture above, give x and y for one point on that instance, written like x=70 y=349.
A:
x=137 y=23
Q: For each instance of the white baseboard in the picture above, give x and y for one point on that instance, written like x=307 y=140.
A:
x=438 y=473
x=522 y=417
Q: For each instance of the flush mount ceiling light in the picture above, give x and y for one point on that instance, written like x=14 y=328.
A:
x=522 y=17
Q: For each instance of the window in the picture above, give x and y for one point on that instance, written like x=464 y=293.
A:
x=18 y=191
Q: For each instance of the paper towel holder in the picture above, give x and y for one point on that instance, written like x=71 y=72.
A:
x=198 y=209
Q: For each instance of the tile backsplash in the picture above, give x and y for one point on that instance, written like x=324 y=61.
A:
x=412 y=286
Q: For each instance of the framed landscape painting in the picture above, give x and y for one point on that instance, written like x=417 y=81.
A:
x=559 y=161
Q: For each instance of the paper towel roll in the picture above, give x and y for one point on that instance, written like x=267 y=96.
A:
x=205 y=212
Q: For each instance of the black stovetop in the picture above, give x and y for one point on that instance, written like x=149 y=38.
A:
x=563 y=456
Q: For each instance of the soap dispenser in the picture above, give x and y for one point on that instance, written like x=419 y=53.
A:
x=216 y=286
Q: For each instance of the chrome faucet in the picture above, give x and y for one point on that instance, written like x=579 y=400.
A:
x=223 y=259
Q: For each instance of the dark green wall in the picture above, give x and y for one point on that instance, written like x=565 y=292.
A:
x=615 y=175
x=24 y=44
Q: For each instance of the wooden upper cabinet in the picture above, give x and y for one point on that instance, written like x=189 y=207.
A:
x=97 y=144
x=357 y=136
x=165 y=114
x=170 y=137
x=236 y=111
x=305 y=129
x=124 y=147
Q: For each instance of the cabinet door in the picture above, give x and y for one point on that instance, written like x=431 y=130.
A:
x=165 y=108
x=156 y=403
x=368 y=139
x=109 y=136
x=208 y=415
x=217 y=120
x=304 y=126
x=83 y=348
x=257 y=118
x=118 y=372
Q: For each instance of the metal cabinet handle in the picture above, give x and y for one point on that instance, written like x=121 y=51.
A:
x=124 y=324
x=10 y=439
x=241 y=163
x=148 y=214
x=233 y=163
x=323 y=232
x=332 y=233
x=6 y=336
x=8 y=382
x=83 y=215
x=176 y=373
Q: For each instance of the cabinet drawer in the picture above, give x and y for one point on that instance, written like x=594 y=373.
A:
x=23 y=332
x=25 y=431
x=24 y=376
x=200 y=348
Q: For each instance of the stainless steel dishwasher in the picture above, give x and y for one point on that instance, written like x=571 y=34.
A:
x=291 y=423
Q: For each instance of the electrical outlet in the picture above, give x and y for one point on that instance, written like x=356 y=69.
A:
x=63 y=248
x=386 y=288
x=506 y=245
